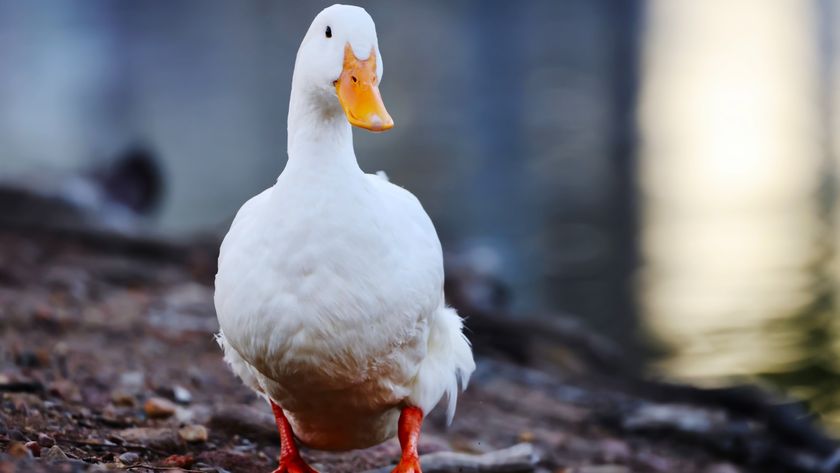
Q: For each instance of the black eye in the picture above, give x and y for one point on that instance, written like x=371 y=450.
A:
x=329 y=32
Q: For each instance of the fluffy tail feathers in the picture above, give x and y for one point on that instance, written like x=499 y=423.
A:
x=448 y=364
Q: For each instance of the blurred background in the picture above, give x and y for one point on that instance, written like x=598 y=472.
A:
x=662 y=170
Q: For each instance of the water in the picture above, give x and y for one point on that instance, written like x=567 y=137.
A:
x=739 y=282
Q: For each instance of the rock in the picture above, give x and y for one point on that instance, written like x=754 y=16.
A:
x=195 y=414
x=55 y=453
x=604 y=469
x=129 y=458
x=193 y=433
x=66 y=390
x=116 y=416
x=122 y=398
x=180 y=461
x=45 y=440
x=18 y=450
x=244 y=420
x=132 y=381
x=614 y=450
x=723 y=468
x=34 y=447
x=181 y=394
x=675 y=417
x=159 y=438
x=17 y=435
x=526 y=436
x=159 y=408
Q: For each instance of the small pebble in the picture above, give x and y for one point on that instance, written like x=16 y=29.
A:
x=604 y=469
x=54 y=453
x=159 y=408
x=45 y=440
x=526 y=436
x=66 y=390
x=132 y=381
x=34 y=447
x=722 y=468
x=157 y=438
x=122 y=398
x=193 y=433
x=181 y=394
x=129 y=458
x=180 y=461
x=18 y=450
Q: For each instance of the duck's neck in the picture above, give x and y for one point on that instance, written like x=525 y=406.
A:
x=320 y=137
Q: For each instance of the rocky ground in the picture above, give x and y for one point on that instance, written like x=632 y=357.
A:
x=107 y=361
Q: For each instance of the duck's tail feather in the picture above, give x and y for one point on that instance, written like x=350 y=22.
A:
x=448 y=364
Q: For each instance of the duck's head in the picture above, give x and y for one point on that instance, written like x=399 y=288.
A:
x=339 y=62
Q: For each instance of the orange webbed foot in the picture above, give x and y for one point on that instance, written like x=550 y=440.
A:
x=294 y=465
x=408 y=464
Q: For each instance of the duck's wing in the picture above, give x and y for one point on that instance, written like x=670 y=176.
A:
x=448 y=363
x=231 y=264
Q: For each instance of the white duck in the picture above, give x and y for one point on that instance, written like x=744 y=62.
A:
x=330 y=285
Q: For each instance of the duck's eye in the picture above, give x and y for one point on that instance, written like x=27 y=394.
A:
x=329 y=32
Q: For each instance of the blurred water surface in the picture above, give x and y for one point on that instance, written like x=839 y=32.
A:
x=738 y=177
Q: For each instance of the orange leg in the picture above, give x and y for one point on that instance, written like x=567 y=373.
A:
x=290 y=460
x=411 y=419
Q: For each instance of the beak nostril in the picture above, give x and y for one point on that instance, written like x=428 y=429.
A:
x=354 y=79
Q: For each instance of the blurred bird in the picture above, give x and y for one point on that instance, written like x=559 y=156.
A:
x=116 y=197
x=329 y=291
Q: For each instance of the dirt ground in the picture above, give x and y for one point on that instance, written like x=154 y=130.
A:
x=107 y=361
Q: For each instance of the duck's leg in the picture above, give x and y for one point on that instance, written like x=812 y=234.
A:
x=290 y=460
x=411 y=419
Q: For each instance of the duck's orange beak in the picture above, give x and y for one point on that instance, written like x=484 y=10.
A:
x=359 y=95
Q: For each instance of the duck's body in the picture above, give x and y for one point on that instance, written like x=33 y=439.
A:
x=330 y=285
x=326 y=299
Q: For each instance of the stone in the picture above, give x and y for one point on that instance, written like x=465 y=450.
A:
x=129 y=458
x=55 y=453
x=45 y=440
x=159 y=408
x=159 y=438
x=122 y=398
x=18 y=450
x=132 y=381
x=34 y=447
x=180 y=461
x=181 y=394
x=193 y=433
x=604 y=469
